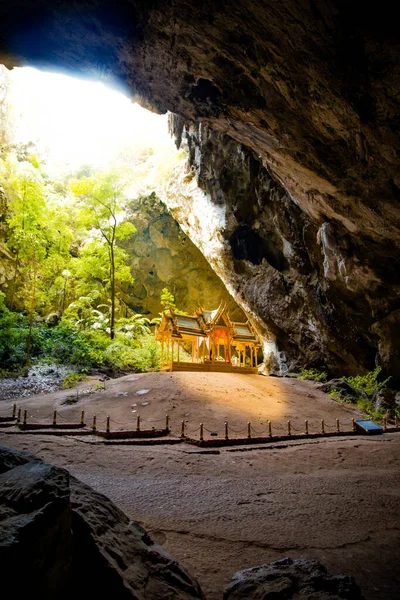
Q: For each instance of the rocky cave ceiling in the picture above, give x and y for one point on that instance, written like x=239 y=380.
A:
x=303 y=96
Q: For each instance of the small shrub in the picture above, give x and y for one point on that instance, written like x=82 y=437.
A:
x=367 y=406
x=336 y=394
x=313 y=374
x=72 y=379
x=368 y=383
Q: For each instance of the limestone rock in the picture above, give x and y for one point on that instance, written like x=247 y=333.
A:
x=35 y=529
x=162 y=256
x=69 y=541
x=384 y=399
x=115 y=557
x=347 y=392
x=288 y=579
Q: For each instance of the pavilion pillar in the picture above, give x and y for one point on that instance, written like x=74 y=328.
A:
x=179 y=345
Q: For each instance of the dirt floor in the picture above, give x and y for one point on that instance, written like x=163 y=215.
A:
x=209 y=398
x=218 y=511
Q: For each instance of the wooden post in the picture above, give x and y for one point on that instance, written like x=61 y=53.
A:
x=25 y=416
x=201 y=432
x=14 y=410
x=337 y=426
x=94 y=424
x=138 y=423
x=248 y=430
x=306 y=427
x=167 y=423
x=289 y=428
x=19 y=415
x=179 y=346
x=183 y=429
x=54 y=418
x=269 y=428
x=108 y=424
x=353 y=424
x=83 y=417
x=226 y=431
x=322 y=426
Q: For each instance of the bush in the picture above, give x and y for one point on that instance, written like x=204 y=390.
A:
x=142 y=355
x=13 y=337
x=368 y=383
x=313 y=374
x=72 y=379
x=66 y=344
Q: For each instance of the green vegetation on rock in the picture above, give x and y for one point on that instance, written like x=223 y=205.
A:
x=313 y=374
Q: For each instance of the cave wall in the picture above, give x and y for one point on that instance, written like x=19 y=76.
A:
x=299 y=278
x=311 y=86
x=162 y=255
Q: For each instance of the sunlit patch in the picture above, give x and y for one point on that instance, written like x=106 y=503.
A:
x=75 y=122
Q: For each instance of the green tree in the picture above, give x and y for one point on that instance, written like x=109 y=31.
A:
x=101 y=201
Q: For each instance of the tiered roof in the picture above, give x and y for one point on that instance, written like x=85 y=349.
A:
x=204 y=321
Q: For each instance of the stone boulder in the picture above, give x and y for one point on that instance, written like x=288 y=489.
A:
x=384 y=399
x=61 y=539
x=286 y=579
x=347 y=392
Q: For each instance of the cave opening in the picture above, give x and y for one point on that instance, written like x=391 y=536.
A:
x=86 y=235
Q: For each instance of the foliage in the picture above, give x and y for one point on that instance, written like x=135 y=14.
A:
x=135 y=349
x=313 y=374
x=13 y=336
x=335 y=393
x=167 y=301
x=72 y=379
x=101 y=200
x=368 y=383
x=367 y=406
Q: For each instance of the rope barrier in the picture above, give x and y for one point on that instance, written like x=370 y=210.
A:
x=237 y=430
x=193 y=430
x=296 y=428
x=211 y=431
x=22 y=415
x=258 y=432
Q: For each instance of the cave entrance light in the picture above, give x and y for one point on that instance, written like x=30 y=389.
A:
x=73 y=122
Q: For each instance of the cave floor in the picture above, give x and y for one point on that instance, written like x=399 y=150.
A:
x=209 y=398
x=335 y=499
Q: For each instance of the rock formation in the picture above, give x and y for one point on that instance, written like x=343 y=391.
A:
x=162 y=255
x=61 y=539
x=286 y=579
x=313 y=89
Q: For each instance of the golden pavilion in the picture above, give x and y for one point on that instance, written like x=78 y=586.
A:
x=207 y=341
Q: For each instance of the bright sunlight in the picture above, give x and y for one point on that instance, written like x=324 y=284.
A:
x=75 y=122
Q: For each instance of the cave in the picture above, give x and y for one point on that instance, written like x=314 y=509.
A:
x=289 y=112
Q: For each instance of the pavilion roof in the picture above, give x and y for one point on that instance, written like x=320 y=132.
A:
x=203 y=322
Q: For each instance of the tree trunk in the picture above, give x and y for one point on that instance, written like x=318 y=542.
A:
x=112 y=285
x=33 y=301
x=14 y=283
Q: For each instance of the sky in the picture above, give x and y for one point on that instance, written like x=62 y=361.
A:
x=80 y=122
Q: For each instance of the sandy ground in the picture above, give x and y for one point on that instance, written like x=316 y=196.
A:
x=209 y=398
x=336 y=499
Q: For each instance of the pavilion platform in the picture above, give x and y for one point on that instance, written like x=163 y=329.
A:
x=211 y=367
